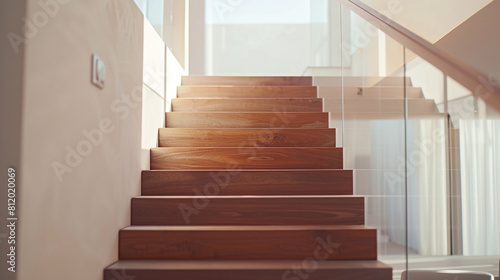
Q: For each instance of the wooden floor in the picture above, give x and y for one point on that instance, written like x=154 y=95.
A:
x=247 y=183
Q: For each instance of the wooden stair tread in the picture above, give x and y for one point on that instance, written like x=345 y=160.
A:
x=247 y=270
x=246 y=98
x=240 y=264
x=250 y=197
x=249 y=182
x=252 y=170
x=247 y=80
x=253 y=158
x=247 y=104
x=247 y=91
x=246 y=120
x=246 y=137
x=248 y=228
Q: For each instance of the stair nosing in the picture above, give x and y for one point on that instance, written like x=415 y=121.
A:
x=247 y=228
x=252 y=170
x=247 y=196
x=238 y=264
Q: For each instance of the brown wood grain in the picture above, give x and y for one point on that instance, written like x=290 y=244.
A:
x=212 y=137
x=245 y=81
x=248 y=270
x=181 y=158
x=246 y=120
x=249 y=182
x=247 y=104
x=243 y=210
x=353 y=242
x=247 y=91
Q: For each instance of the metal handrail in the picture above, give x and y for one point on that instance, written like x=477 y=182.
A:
x=460 y=71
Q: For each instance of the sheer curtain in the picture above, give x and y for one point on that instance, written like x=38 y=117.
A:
x=427 y=186
x=480 y=169
x=428 y=215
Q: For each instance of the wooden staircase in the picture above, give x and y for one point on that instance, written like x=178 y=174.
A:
x=247 y=184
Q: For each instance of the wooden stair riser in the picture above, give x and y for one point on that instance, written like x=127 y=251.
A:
x=245 y=182
x=247 y=105
x=237 y=210
x=170 y=158
x=278 y=119
x=185 y=137
x=237 y=243
x=247 y=91
x=246 y=81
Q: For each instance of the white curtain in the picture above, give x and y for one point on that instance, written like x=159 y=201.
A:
x=428 y=215
x=428 y=186
x=480 y=178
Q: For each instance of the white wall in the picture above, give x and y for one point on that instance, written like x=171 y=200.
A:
x=259 y=37
x=258 y=49
x=72 y=206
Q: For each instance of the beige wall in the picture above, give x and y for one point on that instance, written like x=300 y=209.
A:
x=176 y=27
x=476 y=41
x=471 y=42
x=197 y=37
x=429 y=19
x=71 y=217
x=153 y=90
x=11 y=83
x=180 y=34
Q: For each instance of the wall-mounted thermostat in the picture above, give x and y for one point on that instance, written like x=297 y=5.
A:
x=98 y=71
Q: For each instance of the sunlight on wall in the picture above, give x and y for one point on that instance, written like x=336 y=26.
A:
x=257 y=37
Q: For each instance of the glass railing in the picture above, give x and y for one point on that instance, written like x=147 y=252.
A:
x=453 y=183
x=441 y=16
x=425 y=150
x=154 y=11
